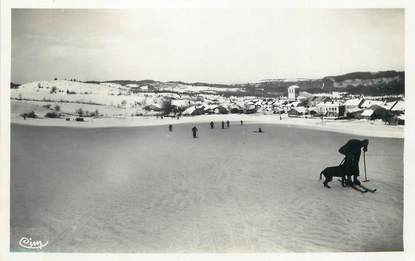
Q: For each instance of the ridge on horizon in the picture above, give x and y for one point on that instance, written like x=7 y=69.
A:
x=368 y=83
x=287 y=79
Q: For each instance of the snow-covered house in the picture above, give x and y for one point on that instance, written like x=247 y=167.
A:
x=180 y=103
x=380 y=112
x=367 y=113
x=368 y=103
x=354 y=113
x=221 y=110
x=210 y=108
x=152 y=107
x=297 y=111
x=250 y=108
x=235 y=108
x=287 y=106
x=331 y=109
x=313 y=101
x=398 y=107
x=194 y=110
x=353 y=104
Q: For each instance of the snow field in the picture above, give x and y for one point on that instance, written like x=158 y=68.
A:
x=149 y=190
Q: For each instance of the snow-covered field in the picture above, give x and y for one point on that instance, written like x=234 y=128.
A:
x=117 y=117
x=145 y=189
x=61 y=91
x=181 y=88
x=110 y=94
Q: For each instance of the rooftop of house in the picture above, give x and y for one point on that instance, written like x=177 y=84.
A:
x=368 y=103
x=300 y=109
x=399 y=106
x=328 y=104
x=353 y=102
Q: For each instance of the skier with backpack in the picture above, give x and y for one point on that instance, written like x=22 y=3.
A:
x=352 y=150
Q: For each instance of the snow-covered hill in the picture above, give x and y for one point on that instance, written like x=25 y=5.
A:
x=108 y=94
x=134 y=99
x=69 y=91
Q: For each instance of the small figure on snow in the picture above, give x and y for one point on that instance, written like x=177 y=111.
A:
x=170 y=128
x=223 y=124
x=194 y=130
x=212 y=125
x=259 y=131
x=242 y=122
x=227 y=124
x=352 y=151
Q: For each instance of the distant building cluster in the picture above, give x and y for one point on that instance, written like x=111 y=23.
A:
x=177 y=100
x=335 y=105
x=339 y=105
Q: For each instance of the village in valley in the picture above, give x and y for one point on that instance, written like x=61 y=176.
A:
x=80 y=101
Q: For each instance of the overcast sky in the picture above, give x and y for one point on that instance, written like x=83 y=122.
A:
x=210 y=45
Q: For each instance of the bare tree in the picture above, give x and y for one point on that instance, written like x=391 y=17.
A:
x=80 y=112
x=166 y=106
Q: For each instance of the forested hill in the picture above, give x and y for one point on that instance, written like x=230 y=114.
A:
x=367 y=83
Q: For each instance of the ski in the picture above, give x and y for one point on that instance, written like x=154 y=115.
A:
x=360 y=189
x=368 y=189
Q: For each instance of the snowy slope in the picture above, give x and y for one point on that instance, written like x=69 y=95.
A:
x=149 y=190
x=188 y=88
x=67 y=91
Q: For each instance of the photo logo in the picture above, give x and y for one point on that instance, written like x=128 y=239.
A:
x=30 y=244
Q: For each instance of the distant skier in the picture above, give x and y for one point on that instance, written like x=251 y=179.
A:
x=227 y=124
x=170 y=128
x=258 y=131
x=212 y=125
x=194 y=130
x=223 y=124
x=242 y=122
x=352 y=151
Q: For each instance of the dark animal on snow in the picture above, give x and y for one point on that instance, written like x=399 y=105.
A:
x=330 y=172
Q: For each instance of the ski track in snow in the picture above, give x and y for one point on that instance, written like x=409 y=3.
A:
x=148 y=190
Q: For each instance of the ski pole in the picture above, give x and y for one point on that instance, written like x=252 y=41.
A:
x=364 y=163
